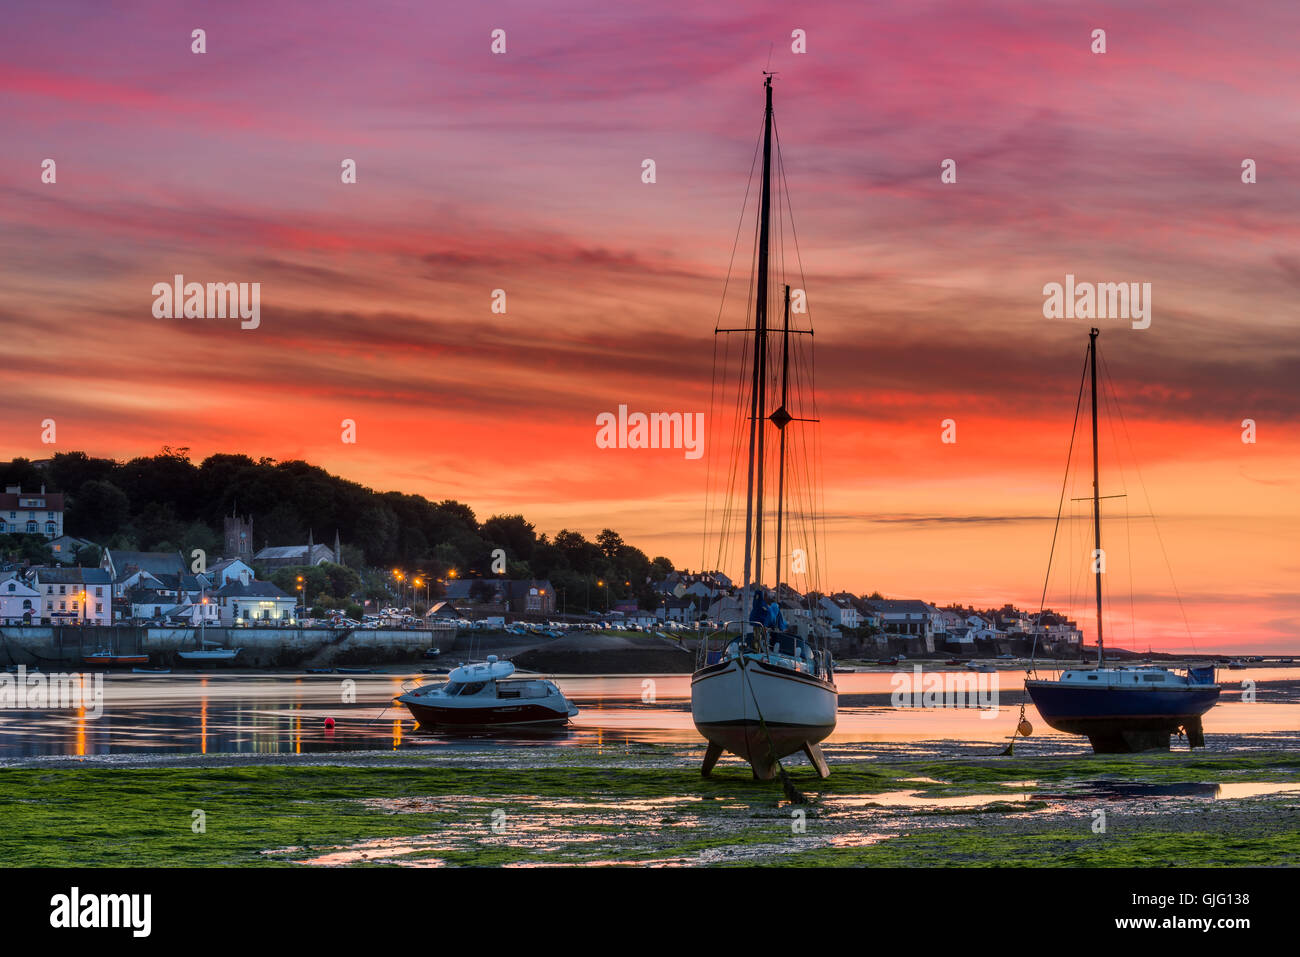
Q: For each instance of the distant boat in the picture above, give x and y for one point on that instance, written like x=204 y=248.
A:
x=478 y=696
x=107 y=659
x=1236 y=665
x=209 y=655
x=203 y=655
x=1122 y=710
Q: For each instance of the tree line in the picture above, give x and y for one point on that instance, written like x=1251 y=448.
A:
x=166 y=502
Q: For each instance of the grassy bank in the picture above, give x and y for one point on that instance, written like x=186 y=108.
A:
x=970 y=812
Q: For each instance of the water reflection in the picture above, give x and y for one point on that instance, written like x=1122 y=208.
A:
x=272 y=714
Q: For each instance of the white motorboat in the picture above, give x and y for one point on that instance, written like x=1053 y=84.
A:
x=484 y=695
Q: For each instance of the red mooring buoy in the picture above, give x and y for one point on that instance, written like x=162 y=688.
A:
x=329 y=723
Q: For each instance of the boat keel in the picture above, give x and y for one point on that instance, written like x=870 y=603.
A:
x=711 y=755
x=817 y=759
x=1134 y=741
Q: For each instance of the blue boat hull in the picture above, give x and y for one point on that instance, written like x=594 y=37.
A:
x=1121 y=720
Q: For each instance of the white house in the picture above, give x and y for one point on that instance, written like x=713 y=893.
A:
x=678 y=609
x=840 y=612
x=982 y=629
x=20 y=603
x=156 y=604
x=31 y=513
x=230 y=570
x=194 y=613
x=1066 y=632
x=246 y=603
x=74 y=595
x=905 y=616
x=152 y=604
x=949 y=621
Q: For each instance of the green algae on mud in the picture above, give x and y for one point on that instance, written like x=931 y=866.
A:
x=992 y=847
x=284 y=815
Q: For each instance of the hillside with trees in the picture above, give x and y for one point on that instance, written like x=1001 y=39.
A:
x=166 y=502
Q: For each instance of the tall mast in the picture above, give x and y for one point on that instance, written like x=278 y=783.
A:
x=781 y=418
x=758 y=410
x=1096 y=494
x=760 y=326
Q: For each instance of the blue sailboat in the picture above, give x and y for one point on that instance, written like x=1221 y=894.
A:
x=1123 y=709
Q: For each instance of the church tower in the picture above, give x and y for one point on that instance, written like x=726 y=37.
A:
x=238 y=537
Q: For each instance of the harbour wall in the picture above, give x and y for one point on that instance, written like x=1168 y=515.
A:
x=47 y=646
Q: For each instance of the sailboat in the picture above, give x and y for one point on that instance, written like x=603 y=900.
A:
x=202 y=654
x=1122 y=709
x=769 y=690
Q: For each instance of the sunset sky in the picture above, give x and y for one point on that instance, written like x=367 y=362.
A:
x=522 y=171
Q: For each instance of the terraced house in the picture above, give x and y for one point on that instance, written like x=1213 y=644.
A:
x=31 y=513
x=74 y=596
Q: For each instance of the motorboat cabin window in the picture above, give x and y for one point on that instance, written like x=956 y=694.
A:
x=464 y=688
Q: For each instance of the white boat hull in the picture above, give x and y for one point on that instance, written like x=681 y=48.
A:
x=222 y=654
x=760 y=711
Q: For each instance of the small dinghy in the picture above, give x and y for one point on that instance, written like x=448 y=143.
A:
x=480 y=696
